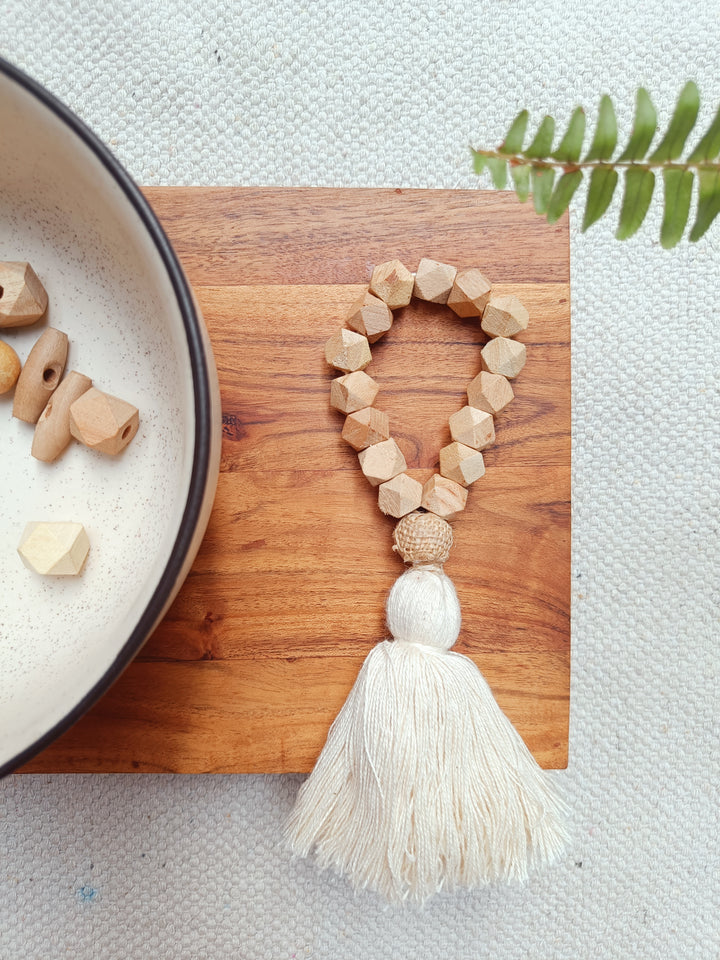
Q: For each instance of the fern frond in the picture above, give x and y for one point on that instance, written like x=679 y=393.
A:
x=553 y=176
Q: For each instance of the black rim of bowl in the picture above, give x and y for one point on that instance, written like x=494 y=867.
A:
x=203 y=413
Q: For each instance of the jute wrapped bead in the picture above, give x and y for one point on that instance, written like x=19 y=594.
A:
x=423 y=538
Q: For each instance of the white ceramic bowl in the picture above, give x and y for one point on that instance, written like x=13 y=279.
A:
x=115 y=287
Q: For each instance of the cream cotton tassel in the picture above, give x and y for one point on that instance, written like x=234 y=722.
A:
x=424 y=784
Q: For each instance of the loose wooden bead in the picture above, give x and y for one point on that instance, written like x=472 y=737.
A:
x=9 y=367
x=503 y=356
x=370 y=316
x=54 y=549
x=52 y=433
x=382 y=462
x=444 y=497
x=475 y=428
x=23 y=299
x=462 y=464
x=490 y=392
x=423 y=538
x=347 y=350
x=504 y=317
x=434 y=281
x=393 y=283
x=103 y=422
x=353 y=392
x=400 y=495
x=470 y=293
x=366 y=427
x=41 y=375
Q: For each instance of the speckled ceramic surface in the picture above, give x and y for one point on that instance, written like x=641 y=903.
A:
x=111 y=291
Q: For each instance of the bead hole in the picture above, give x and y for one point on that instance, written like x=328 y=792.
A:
x=2 y=291
x=126 y=431
x=50 y=376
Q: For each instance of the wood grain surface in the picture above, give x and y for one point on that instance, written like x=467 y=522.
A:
x=286 y=597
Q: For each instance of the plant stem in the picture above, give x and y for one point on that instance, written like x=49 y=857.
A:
x=518 y=160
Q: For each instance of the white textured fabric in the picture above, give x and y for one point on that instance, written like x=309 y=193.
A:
x=344 y=93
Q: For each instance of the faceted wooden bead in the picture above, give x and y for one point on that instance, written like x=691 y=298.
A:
x=393 y=283
x=444 y=497
x=23 y=299
x=490 y=392
x=54 y=549
x=366 y=427
x=347 y=350
x=503 y=356
x=382 y=462
x=470 y=293
x=475 y=428
x=504 y=317
x=400 y=495
x=103 y=422
x=353 y=392
x=423 y=538
x=434 y=281
x=370 y=316
x=462 y=464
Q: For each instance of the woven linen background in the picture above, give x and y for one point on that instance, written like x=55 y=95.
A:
x=392 y=94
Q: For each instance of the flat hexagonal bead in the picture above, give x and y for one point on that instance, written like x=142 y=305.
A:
x=54 y=549
x=462 y=464
x=399 y=496
x=366 y=427
x=433 y=281
x=353 y=392
x=103 y=422
x=393 y=283
x=444 y=497
x=370 y=316
x=347 y=350
x=504 y=317
x=503 y=356
x=475 y=428
x=490 y=392
x=470 y=293
x=23 y=299
x=382 y=462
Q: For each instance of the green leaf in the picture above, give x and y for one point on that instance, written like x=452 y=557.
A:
x=542 y=185
x=478 y=162
x=541 y=146
x=605 y=139
x=516 y=134
x=682 y=122
x=520 y=174
x=498 y=168
x=639 y=184
x=571 y=143
x=602 y=186
x=562 y=194
x=709 y=146
x=708 y=205
x=643 y=128
x=678 y=191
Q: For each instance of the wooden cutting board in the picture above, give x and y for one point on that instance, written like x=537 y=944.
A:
x=286 y=597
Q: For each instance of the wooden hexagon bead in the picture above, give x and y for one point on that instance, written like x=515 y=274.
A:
x=503 y=356
x=470 y=293
x=370 y=316
x=423 y=538
x=393 y=283
x=366 y=427
x=41 y=375
x=400 y=495
x=490 y=392
x=23 y=299
x=54 y=549
x=347 y=350
x=443 y=497
x=353 y=392
x=103 y=422
x=382 y=462
x=462 y=464
x=504 y=317
x=434 y=281
x=475 y=428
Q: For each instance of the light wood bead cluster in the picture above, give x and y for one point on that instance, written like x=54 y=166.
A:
x=468 y=293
